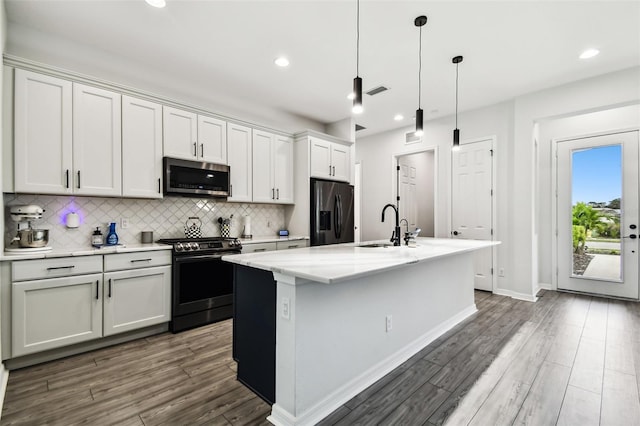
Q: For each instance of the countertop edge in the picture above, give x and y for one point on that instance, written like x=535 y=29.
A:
x=7 y=256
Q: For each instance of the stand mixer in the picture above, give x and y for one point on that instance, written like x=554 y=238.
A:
x=28 y=239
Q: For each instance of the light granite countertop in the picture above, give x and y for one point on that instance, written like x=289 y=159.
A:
x=83 y=251
x=271 y=239
x=341 y=262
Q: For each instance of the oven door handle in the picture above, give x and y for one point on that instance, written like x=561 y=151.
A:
x=179 y=259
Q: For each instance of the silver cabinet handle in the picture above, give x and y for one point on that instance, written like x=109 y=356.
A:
x=293 y=246
x=159 y=186
x=195 y=149
x=230 y=190
x=201 y=150
x=273 y=194
x=97 y=289
x=261 y=249
x=67 y=175
x=78 y=179
x=109 y=288
x=329 y=170
x=334 y=170
x=278 y=194
x=141 y=260
x=60 y=267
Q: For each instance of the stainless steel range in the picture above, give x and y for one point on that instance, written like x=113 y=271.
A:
x=202 y=284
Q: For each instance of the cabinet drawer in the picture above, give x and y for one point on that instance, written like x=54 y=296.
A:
x=142 y=259
x=57 y=267
x=285 y=245
x=258 y=247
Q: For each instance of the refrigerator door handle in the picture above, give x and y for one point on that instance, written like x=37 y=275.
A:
x=339 y=227
x=335 y=216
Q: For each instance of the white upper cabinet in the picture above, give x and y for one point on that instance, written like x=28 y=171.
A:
x=272 y=168
x=330 y=160
x=141 y=148
x=180 y=133
x=240 y=164
x=212 y=140
x=194 y=137
x=263 y=188
x=97 y=147
x=283 y=169
x=43 y=133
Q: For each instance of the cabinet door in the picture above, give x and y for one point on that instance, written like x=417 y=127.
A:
x=212 y=140
x=340 y=162
x=263 y=187
x=51 y=313
x=97 y=147
x=180 y=133
x=239 y=155
x=42 y=133
x=141 y=148
x=136 y=298
x=283 y=169
x=320 y=159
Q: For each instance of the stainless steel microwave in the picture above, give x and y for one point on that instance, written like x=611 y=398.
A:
x=195 y=178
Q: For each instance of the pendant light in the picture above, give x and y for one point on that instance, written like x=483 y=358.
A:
x=419 y=22
x=456 y=132
x=357 y=82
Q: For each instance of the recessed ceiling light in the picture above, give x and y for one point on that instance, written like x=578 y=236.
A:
x=157 y=3
x=282 y=61
x=398 y=117
x=589 y=53
x=351 y=95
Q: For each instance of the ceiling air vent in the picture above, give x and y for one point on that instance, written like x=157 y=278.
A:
x=377 y=90
x=410 y=137
x=359 y=127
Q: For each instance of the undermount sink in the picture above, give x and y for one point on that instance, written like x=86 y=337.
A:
x=375 y=245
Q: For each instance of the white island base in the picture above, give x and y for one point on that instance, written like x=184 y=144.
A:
x=370 y=311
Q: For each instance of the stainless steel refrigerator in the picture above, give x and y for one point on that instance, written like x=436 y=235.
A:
x=331 y=212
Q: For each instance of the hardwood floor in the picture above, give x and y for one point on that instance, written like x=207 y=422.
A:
x=567 y=360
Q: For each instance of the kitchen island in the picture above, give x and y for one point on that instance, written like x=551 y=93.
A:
x=324 y=323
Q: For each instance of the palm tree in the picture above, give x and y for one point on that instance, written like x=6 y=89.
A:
x=586 y=216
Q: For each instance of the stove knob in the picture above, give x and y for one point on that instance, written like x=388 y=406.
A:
x=195 y=246
x=179 y=247
x=188 y=246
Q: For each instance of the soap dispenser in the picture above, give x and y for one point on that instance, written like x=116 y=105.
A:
x=112 y=237
x=96 y=238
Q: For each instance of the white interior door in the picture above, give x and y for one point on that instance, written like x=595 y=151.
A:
x=408 y=200
x=472 y=207
x=597 y=235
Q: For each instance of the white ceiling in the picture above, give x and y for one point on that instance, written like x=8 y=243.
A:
x=228 y=48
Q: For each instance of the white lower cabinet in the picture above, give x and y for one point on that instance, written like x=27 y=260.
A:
x=55 y=312
x=67 y=300
x=136 y=298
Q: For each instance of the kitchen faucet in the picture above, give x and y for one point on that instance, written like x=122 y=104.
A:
x=395 y=237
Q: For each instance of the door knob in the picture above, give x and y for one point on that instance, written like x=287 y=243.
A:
x=632 y=226
x=457 y=233
x=632 y=236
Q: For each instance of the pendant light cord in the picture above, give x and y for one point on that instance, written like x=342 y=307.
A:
x=358 y=38
x=420 y=70
x=457 y=96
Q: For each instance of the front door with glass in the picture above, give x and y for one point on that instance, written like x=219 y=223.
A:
x=597 y=214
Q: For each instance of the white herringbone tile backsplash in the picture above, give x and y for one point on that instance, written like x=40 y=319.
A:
x=165 y=217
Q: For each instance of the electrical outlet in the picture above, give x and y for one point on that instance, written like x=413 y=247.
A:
x=389 y=323
x=268 y=224
x=124 y=223
x=501 y=272
x=286 y=314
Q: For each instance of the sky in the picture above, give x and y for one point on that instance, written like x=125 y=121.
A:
x=597 y=174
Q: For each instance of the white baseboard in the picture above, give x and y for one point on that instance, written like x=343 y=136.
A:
x=516 y=295
x=545 y=286
x=4 y=379
x=281 y=417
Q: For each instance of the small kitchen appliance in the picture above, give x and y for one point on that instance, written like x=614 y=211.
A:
x=201 y=283
x=28 y=239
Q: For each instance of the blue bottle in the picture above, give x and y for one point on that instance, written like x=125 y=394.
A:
x=112 y=237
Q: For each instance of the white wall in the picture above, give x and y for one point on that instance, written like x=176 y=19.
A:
x=376 y=155
x=70 y=55
x=583 y=124
x=512 y=123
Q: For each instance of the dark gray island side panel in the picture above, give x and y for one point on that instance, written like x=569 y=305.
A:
x=254 y=330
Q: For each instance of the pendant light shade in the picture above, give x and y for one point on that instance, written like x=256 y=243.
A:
x=357 y=95
x=456 y=132
x=357 y=82
x=419 y=22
